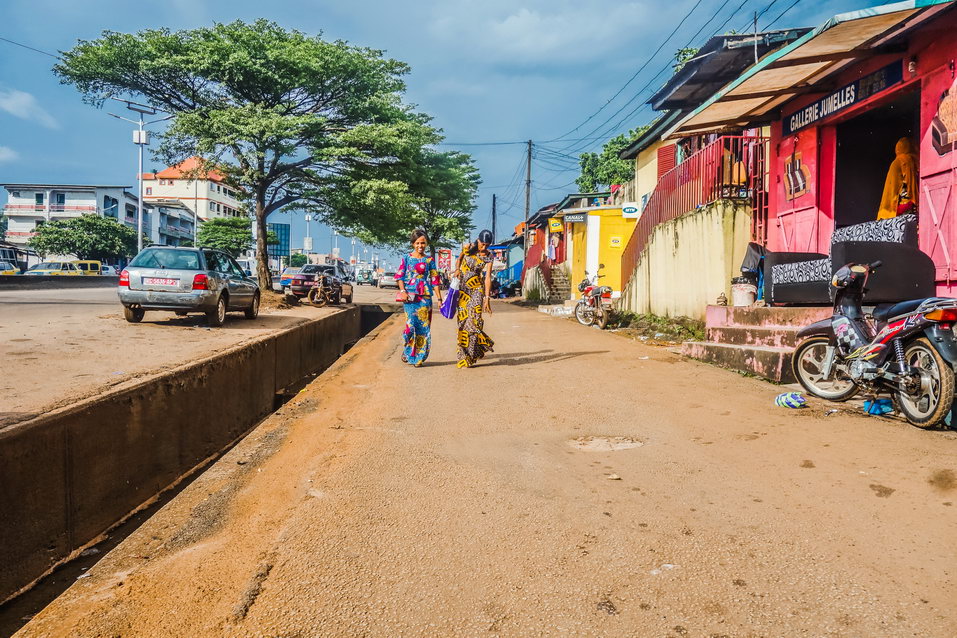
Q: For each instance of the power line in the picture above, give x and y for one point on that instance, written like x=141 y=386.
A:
x=781 y=15
x=634 y=75
x=31 y=48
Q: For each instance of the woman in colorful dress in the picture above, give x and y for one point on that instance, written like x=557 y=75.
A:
x=418 y=281
x=475 y=274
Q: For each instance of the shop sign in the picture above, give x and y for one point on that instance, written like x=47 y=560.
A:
x=555 y=225
x=630 y=210
x=577 y=218
x=846 y=96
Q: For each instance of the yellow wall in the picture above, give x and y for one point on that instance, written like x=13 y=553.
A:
x=612 y=225
x=646 y=169
x=689 y=261
x=579 y=244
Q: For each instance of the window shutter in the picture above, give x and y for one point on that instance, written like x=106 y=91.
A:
x=666 y=159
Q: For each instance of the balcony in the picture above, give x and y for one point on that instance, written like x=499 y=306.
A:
x=56 y=210
x=733 y=167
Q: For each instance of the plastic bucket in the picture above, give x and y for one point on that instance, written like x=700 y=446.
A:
x=743 y=294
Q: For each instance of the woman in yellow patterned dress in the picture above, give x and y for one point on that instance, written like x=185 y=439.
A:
x=475 y=272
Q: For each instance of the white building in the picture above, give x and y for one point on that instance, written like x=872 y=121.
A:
x=203 y=192
x=173 y=223
x=29 y=206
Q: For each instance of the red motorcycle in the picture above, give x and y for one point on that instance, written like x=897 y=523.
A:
x=594 y=307
x=907 y=349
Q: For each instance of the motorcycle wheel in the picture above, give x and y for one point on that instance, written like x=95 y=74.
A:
x=316 y=298
x=930 y=404
x=584 y=317
x=806 y=363
x=602 y=316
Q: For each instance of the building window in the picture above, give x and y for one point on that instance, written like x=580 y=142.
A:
x=149 y=190
x=38 y=198
x=212 y=186
x=212 y=206
x=15 y=193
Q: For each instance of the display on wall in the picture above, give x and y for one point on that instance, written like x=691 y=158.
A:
x=577 y=218
x=938 y=122
x=555 y=225
x=848 y=95
x=797 y=178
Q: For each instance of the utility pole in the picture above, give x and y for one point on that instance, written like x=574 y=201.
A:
x=528 y=192
x=141 y=139
x=494 y=220
x=755 y=37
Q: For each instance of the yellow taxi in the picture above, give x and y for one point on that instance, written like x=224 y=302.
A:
x=6 y=268
x=88 y=266
x=55 y=268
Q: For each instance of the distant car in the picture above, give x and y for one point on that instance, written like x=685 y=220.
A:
x=6 y=268
x=89 y=266
x=301 y=283
x=55 y=268
x=285 y=279
x=184 y=280
x=108 y=271
x=387 y=280
x=365 y=277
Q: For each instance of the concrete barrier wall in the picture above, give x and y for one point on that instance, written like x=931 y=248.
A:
x=689 y=261
x=43 y=282
x=68 y=476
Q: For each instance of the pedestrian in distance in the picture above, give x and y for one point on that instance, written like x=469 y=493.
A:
x=418 y=281
x=474 y=269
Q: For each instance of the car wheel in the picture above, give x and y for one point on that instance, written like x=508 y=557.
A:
x=133 y=315
x=216 y=318
x=253 y=310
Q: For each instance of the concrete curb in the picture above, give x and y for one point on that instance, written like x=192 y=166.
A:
x=52 y=282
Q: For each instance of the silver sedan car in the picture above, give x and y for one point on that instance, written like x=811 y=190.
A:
x=185 y=280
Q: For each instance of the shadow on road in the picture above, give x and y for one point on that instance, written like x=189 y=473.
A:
x=521 y=358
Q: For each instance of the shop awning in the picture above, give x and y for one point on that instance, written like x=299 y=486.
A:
x=805 y=64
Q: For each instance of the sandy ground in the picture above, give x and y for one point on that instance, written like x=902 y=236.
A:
x=60 y=346
x=514 y=499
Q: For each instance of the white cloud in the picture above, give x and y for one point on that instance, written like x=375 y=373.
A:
x=23 y=105
x=7 y=154
x=553 y=32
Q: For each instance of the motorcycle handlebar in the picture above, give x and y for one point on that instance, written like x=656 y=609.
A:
x=876 y=264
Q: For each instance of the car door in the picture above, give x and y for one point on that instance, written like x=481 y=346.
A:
x=218 y=269
x=245 y=284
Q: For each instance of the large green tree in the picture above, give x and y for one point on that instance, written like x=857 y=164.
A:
x=87 y=237
x=229 y=234
x=443 y=189
x=601 y=170
x=291 y=119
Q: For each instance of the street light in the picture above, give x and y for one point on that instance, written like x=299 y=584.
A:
x=307 y=242
x=141 y=139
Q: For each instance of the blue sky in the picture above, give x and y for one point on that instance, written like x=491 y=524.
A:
x=487 y=71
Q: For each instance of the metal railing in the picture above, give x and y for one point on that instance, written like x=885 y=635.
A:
x=733 y=167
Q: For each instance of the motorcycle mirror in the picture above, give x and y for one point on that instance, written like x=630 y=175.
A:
x=600 y=266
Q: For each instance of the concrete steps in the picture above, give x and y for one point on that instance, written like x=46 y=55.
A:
x=757 y=341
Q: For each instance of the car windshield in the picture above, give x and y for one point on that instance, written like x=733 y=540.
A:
x=47 y=265
x=167 y=258
x=5 y=265
x=389 y=274
x=312 y=269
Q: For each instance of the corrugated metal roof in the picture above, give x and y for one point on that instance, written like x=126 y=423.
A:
x=801 y=66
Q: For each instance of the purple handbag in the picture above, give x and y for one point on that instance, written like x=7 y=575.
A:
x=451 y=302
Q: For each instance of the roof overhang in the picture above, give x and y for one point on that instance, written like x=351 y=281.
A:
x=805 y=65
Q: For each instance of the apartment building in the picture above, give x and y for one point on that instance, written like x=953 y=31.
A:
x=202 y=191
x=29 y=206
x=173 y=223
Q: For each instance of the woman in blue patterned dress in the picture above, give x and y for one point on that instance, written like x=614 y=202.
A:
x=418 y=281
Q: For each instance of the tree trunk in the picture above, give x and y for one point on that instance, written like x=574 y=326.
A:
x=262 y=251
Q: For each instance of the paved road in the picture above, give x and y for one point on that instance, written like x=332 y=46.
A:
x=391 y=501
x=61 y=345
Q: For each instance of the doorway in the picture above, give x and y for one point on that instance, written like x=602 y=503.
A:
x=865 y=150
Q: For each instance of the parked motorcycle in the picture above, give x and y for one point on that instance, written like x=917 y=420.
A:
x=907 y=349
x=594 y=307
x=326 y=289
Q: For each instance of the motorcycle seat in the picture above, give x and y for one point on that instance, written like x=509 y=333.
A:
x=883 y=312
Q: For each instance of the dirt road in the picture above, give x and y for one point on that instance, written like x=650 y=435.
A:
x=391 y=501
x=58 y=346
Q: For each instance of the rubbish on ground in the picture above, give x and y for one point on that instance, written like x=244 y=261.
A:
x=664 y=567
x=643 y=358
x=878 y=406
x=830 y=412
x=612 y=477
x=89 y=552
x=790 y=400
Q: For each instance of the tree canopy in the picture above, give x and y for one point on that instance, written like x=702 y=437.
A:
x=298 y=260
x=229 y=234
x=291 y=120
x=87 y=237
x=601 y=170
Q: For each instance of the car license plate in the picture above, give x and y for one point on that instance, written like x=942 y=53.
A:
x=160 y=281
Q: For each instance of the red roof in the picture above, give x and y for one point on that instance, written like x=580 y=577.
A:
x=181 y=171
